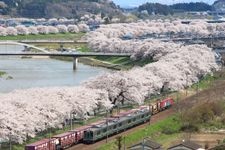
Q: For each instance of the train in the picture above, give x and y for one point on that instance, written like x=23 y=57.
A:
x=97 y=131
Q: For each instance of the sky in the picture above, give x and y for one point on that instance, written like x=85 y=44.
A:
x=134 y=3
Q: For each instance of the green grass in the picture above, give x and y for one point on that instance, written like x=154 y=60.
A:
x=205 y=82
x=124 y=62
x=59 y=36
x=2 y=73
x=162 y=131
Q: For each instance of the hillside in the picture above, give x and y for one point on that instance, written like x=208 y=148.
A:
x=219 y=5
x=59 y=8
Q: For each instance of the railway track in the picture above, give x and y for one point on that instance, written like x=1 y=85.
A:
x=158 y=117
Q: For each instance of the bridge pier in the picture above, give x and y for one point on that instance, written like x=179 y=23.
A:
x=75 y=61
x=26 y=49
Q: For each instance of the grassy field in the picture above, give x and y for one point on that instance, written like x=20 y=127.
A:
x=59 y=36
x=164 y=131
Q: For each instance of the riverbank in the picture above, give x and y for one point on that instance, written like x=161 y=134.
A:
x=114 y=63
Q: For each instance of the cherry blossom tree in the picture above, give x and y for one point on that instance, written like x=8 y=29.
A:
x=83 y=27
x=62 y=28
x=33 y=30
x=73 y=29
x=42 y=29
x=11 y=31
x=52 y=30
x=22 y=30
x=2 y=31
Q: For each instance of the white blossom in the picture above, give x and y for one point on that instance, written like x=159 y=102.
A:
x=11 y=31
x=33 y=30
x=2 y=31
x=52 y=30
x=73 y=29
x=22 y=30
x=62 y=28
x=42 y=29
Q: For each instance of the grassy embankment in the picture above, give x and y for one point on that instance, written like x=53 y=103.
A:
x=164 y=131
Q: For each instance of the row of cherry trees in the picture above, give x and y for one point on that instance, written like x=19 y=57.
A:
x=27 y=112
x=167 y=28
x=22 y=30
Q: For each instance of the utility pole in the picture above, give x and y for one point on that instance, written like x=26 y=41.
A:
x=10 y=141
x=107 y=126
x=71 y=121
x=197 y=90
x=186 y=84
x=49 y=138
x=149 y=113
x=124 y=142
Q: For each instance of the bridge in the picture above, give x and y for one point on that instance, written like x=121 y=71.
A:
x=45 y=52
x=74 y=55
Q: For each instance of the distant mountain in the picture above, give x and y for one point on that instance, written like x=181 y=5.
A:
x=60 y=8
x=156 y=8
x=219 y=6
x=198 y=6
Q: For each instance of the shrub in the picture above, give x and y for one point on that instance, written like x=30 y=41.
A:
x=189 y=128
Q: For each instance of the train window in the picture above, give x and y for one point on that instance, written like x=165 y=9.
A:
x=134 y=119
x=114 y=127
x=129 y=121
x=120 y=124
x=98 y=132
x=105 y=130
x=142 y=116
x=91 y=134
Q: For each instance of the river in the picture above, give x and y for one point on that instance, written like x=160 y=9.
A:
x=41 y=72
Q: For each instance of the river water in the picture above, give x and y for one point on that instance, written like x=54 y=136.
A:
x=41 y=72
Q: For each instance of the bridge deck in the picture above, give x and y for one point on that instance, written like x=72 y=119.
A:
x=68 y=54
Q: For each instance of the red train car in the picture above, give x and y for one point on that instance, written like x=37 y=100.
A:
x=80 y=133
x=166 y=103
x=45 y=144
x=66 y=139
x=160 y=105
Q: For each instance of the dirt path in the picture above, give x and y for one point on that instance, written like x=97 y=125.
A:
x=154 y=119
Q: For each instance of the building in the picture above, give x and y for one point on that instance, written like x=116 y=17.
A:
x=146 y=145
x=186 y=146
